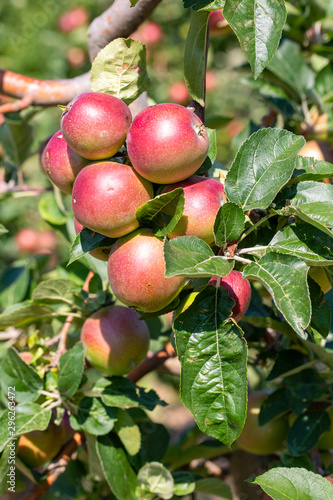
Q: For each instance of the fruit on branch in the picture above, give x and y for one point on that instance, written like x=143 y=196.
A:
x=106 y=196
x=167 y=143
x=95 y=124
x=218 y=25
x=149 y=33
x=203 y=198
x=239 y=289
x=73 y=19
x=319 y=275
x=38 y=447
x=136 y=271
x=264 y=439
x=116 y=340
x=178 y=93
x=28 y=240
x=76 y=57
x=100 y=253
x=60 y=163
x=211 y=81
x=312 y=149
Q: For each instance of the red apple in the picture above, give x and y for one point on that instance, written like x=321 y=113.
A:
x=330 y=479
x=211 y=81
x=218 y=25
x=95 y=124
x=203 y=198
x=238 y=289
x=76 y=57
x=101 y=253
x=179 y=93
x=167 y=143
x=116 y=340
x=136 y=271
x=60 y=163
x=149 y=33
x=72 y=19
x=28 y=240
x=106 y=196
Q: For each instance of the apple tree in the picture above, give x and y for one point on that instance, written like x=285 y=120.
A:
x=170 y=239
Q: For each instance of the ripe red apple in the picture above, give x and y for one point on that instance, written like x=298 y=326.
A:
x=136 y=271
x=178 y=93
x=106 y=196
x=218 y=25
x=203 y=198
x=95 y=124
x=76 y=57
x=264 y=439
x=330 y=479
x=149 y=33
x=238 y=289
x=28 y=240
x=38 y=447
x=116 y=340
x=101 y=253
x=167 y=143
x=60 y=163
x=72 y=19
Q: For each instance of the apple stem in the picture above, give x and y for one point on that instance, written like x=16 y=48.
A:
x=241 y=259
x=252 y=250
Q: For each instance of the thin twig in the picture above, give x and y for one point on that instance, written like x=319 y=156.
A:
x=151 y=363
x=251 y=250
x=63 y=339
x=17 y=105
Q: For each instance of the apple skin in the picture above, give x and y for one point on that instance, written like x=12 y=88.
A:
x=218 y=25
x=330 y=479
x=178 y=93
x=203 y=198
x=60 y=163
x=116 y=340
x=265 y=439
x=312 y=149
x=149 y=33
x=167 y=143
x=106 y=196
x=101 y=253
x=73 y=19
x=136 y=272
x=318 y=274
x=95 y=124
x=239 y=290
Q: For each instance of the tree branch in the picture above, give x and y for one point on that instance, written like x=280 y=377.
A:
x=152 y=362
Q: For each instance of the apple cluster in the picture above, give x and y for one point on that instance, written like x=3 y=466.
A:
x=111 y=165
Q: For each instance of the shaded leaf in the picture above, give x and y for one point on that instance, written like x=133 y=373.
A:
x=213 y=486
x=93 y=417
x=308 y=169
x=275 y=405
x=156 y=479
x=71 y=370
x=86 y=241
x=229 y=223
x=49 y=209
x=306 y=430
x=3 y=230
x=14 y=283
x=24 y=313
x=55 y=291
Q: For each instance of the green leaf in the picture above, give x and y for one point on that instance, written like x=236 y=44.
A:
x=71 y=370
x=16 y=136
x=16 y=373
x=121 y=392
x=163 y=212
x=55 y=291
x=258 y=26
x=283 y=483
x=306 y=430
x=5 y=464
x=321 y=311
x=229 y=223
x=133 y=2
x=308 y=169
x=86 y=241
x=14 y=283
x=212 y=152
x=93 y=417
x=120 y=70
x=184 y=483
x=306 y=385
x=323 y=85
x=154 y=440
x=204 y=4
x=116 y=467
x=28 y=417
x=275 y=405
x=286 y=360
x=128 y=432
x=195 y=56
x=263 y=165
x=23 y=314
x=190 y=256
x=156 y=479
x=290 y=67
x=304 y=241
x=213 y=486
x=213 y=365
x=49 y=209
x=285 y=277
x=3 y=230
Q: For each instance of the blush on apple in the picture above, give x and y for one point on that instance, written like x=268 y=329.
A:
x=239 y=289
x=167 y=143
x=218 y=25
x=73 y=19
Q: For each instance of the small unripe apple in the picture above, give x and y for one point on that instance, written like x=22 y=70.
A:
x=106 y=196
x=178 y=93
x=317 y=273
x=203 y=198
x=239 y=289
x=149 y=33
x=264 y=439
x=60 y=163
x=218 y=25
x=167 y=143
x=95 y=124
x=100 y=253
x=73 y=19
x=116 y=340
x=136 y=271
